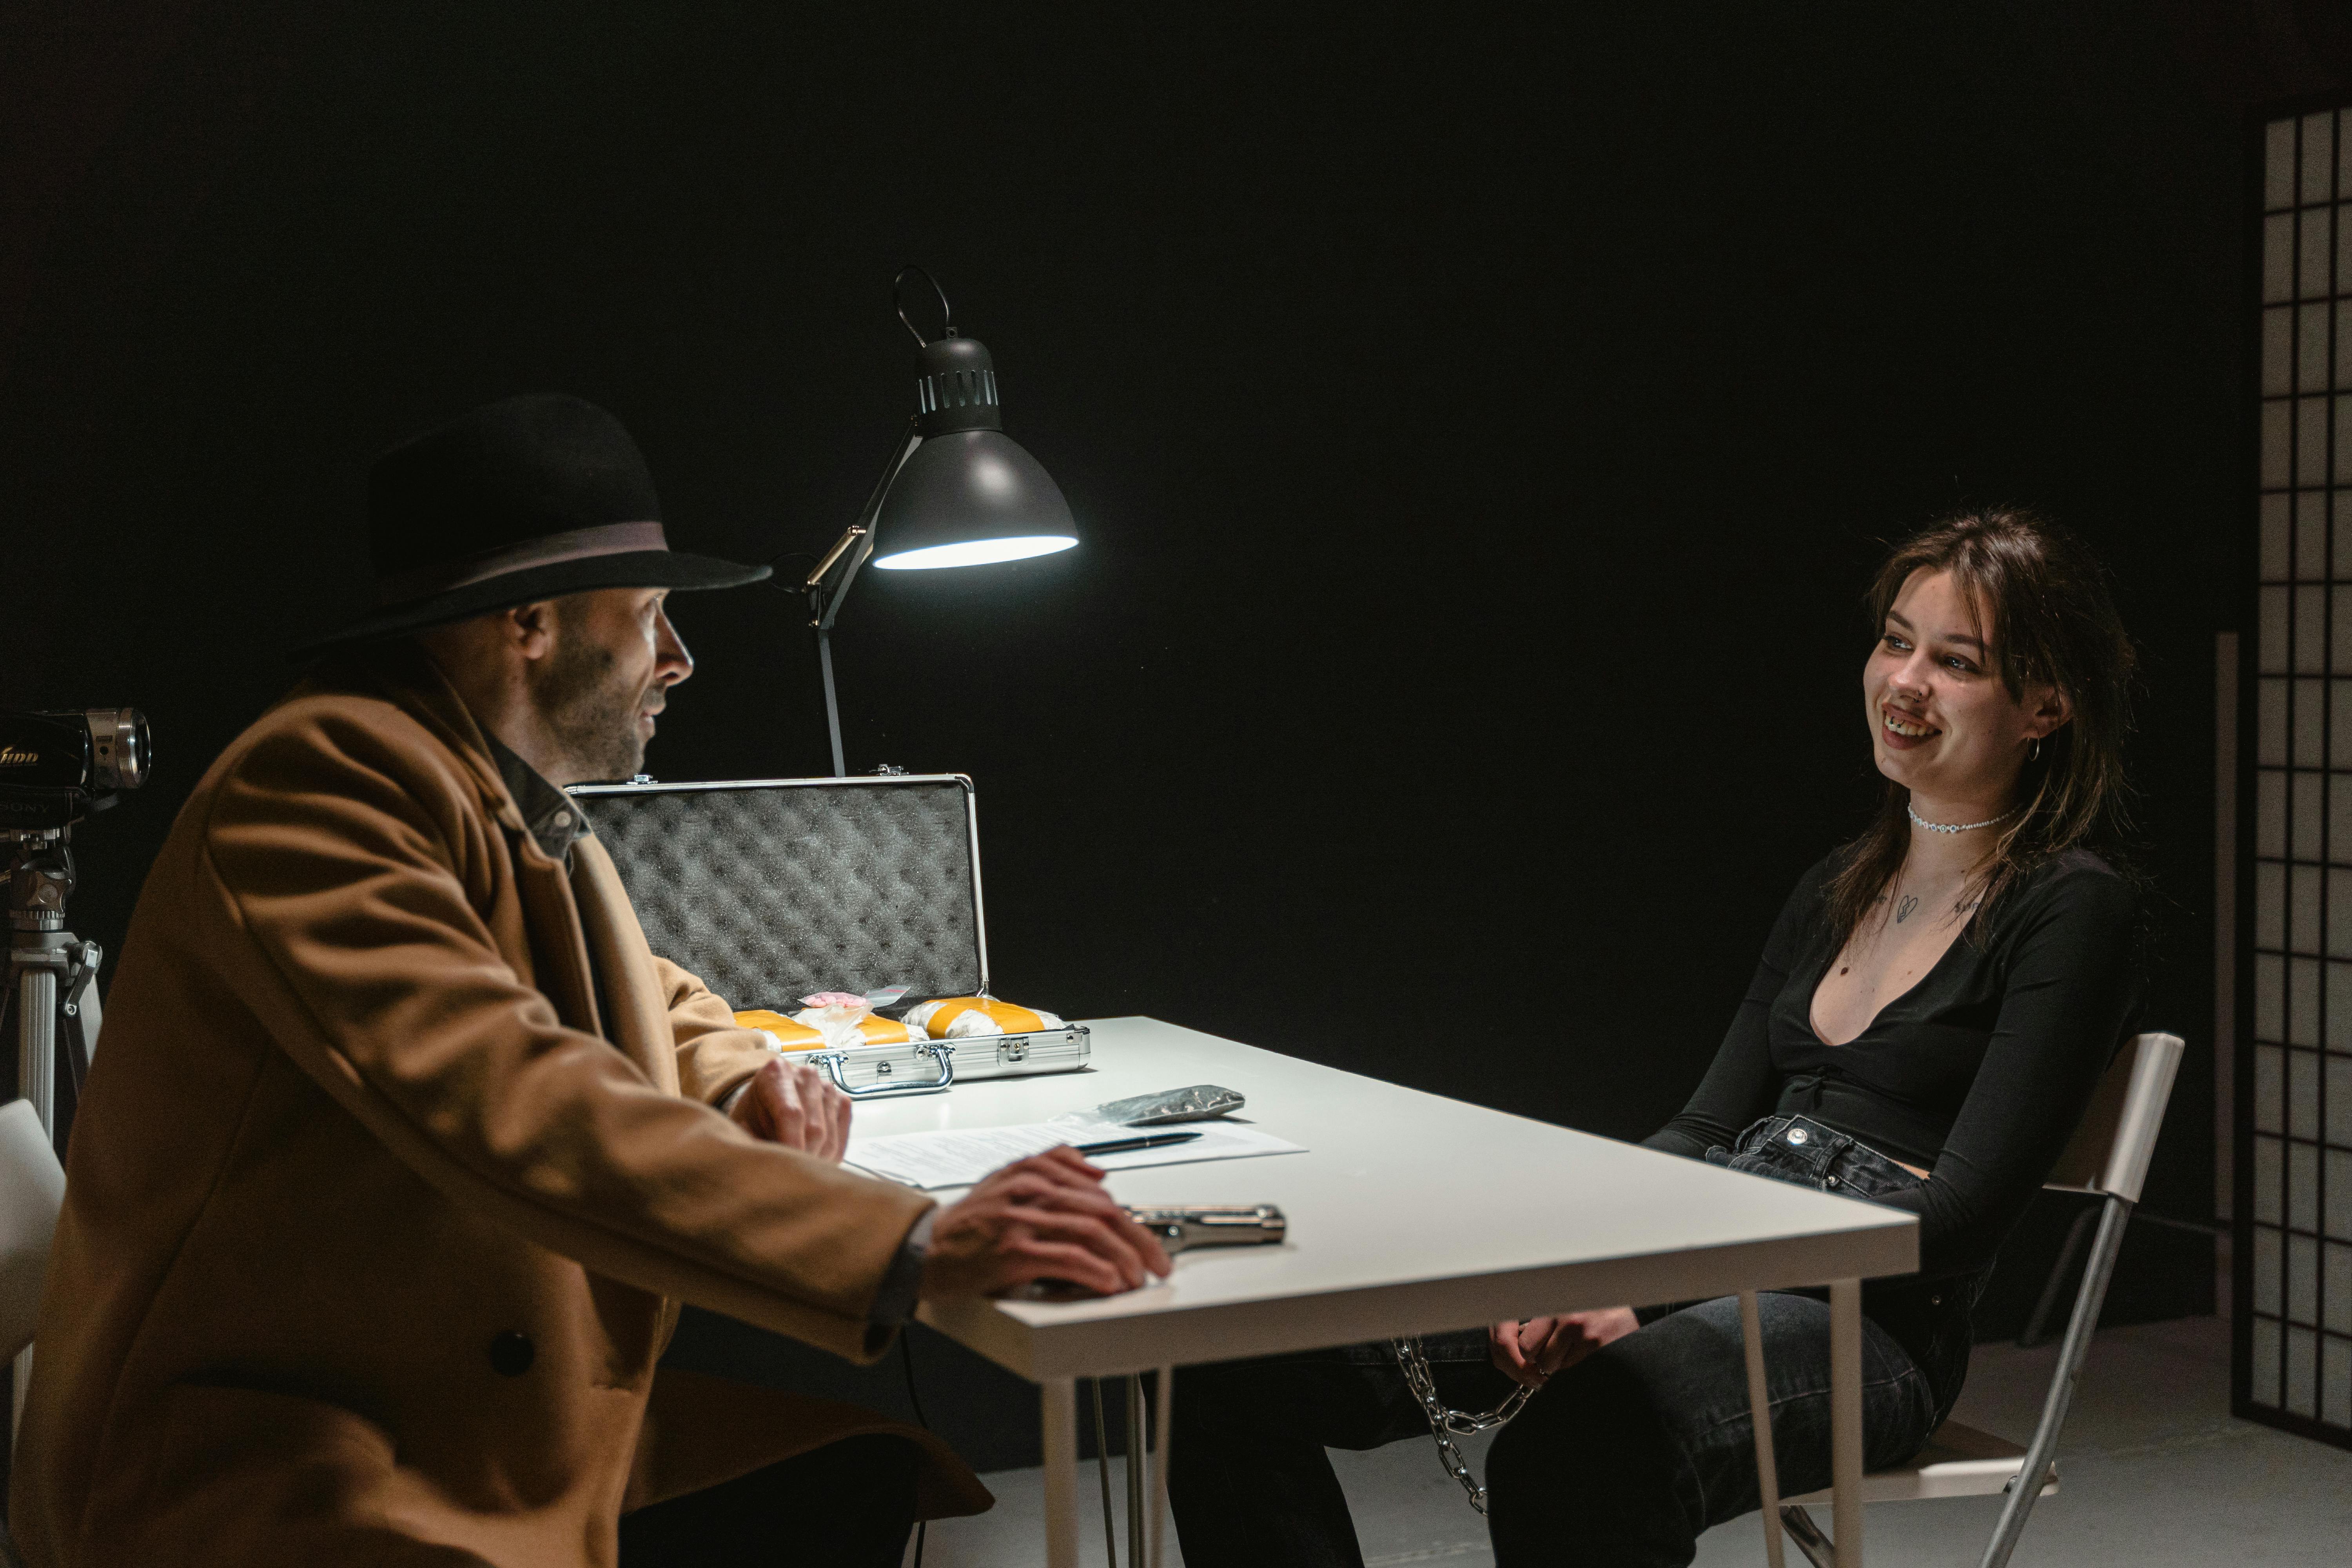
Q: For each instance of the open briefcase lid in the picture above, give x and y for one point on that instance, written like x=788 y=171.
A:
x=771 y=890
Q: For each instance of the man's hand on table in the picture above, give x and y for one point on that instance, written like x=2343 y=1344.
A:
x=1531 y=1352
x=793 y=1104
x=1045 y=1218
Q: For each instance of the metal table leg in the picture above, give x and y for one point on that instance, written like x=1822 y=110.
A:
x=1760 y=1412
x=1846 y=1419
x=1135 y=1488
x=1102 y=1472
x=1164 y=1433
x=1060 y=1400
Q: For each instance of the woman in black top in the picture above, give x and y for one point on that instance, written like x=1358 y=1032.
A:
x=1934 y=1008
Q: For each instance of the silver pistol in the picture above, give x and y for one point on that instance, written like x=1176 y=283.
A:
x=1214 y=1225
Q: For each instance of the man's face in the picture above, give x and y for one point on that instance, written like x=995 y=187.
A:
x=616 y=657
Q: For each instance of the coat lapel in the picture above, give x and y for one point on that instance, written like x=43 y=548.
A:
x=640 y=1022
x=591 y=915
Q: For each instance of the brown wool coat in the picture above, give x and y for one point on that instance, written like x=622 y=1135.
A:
x=339 y=1141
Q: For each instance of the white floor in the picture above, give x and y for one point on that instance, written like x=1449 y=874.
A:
x=2154 y=1474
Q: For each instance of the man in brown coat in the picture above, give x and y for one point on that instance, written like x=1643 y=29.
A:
x=402 y=1149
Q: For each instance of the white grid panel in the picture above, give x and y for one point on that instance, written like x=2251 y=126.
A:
x=2296 y=1213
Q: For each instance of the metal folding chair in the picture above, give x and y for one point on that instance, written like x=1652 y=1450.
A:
x=2108 y=1159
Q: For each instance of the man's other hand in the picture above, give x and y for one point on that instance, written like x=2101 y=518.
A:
x=791 y=1104
x=1045 y=1218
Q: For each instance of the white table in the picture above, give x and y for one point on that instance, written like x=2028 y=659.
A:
x=1409 y=1214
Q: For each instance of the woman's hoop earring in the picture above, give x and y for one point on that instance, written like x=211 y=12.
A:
x=2034 y=755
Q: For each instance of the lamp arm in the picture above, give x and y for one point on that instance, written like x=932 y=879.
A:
x=855 y=545
x=840 y=565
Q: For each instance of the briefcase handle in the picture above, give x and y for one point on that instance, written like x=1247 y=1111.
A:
x=835 y=1066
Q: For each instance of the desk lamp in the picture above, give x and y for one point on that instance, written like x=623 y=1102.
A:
x=958 y=491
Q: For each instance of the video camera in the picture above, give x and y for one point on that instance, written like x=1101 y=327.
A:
x=57 y=768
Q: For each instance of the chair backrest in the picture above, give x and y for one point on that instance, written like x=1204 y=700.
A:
x=32 y=1190
x=2110 y=1150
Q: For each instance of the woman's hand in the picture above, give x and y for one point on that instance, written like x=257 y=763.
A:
x=1045 y=1218
x=791 y=1103
x=1529 y=1353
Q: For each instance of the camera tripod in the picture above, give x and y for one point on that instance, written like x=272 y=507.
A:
x=51 y=972
x=52 y=975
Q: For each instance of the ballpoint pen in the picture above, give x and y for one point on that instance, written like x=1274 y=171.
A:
x=1140 y=1140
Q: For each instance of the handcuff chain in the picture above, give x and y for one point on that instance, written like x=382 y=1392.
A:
x=1446 y=1424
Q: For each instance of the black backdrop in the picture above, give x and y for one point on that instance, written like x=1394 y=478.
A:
x=1483 y=421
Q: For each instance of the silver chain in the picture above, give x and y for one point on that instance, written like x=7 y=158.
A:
x=1445 y=1423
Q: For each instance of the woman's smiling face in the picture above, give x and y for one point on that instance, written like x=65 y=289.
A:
x=1941 y=722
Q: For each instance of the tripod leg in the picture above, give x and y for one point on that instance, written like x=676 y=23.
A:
x=37 y=1040
x=20 y=1380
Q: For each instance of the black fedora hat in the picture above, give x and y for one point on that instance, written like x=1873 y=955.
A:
x=528 y=497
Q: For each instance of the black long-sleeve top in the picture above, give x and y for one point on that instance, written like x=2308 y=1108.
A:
x=1978 y=1074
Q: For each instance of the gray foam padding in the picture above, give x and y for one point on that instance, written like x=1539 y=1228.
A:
x=768 y=893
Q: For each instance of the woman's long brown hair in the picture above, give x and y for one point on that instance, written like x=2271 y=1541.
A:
x=2053 y=622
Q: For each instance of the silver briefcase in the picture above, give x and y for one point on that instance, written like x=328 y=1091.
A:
x=770 y=890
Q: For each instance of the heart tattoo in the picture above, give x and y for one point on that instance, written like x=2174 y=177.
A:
x=1903 y=910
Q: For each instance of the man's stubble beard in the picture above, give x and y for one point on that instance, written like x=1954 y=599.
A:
x=591 y=715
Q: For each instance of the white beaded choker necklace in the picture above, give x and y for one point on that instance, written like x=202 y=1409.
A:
x=1961 y=826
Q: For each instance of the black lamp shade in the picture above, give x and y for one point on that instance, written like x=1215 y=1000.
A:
x=968 y=499
x=969 y=494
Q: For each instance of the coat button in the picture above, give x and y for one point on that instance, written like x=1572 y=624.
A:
x=511 y=1353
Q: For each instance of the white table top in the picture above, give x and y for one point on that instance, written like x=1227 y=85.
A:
x=1408 y=1214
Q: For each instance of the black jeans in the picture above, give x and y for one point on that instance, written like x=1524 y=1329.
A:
x=849 y=1504
x=1627 y=1458
x=1248 y=1480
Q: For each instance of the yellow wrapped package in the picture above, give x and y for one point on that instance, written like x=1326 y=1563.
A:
x=830 y=1020
x=964 y=1017
x=784 y=1034
x=867 y=1030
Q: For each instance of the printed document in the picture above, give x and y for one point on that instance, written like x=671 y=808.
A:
x=958 y=1158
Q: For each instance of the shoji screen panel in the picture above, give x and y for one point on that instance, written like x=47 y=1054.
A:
x=2293 y=1228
